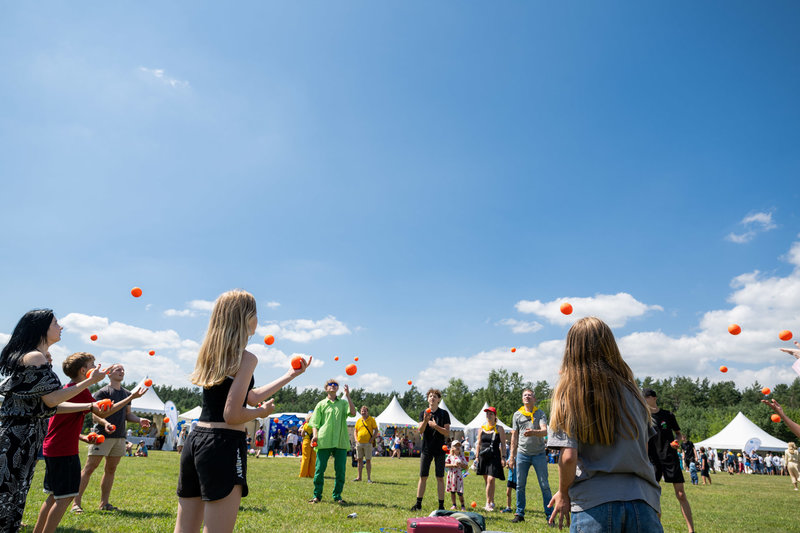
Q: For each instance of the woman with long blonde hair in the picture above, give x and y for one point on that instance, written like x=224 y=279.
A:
x=600 y=421
x=213 y=467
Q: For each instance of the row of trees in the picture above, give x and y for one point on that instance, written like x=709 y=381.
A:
x=702 y=408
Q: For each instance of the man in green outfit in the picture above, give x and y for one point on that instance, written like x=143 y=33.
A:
x=330 y=436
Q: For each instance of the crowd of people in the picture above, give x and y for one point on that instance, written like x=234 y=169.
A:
x=629 y=446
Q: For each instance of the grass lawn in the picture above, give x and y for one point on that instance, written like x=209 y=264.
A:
x=144 y=491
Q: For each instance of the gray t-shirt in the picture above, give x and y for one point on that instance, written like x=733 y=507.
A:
x=620 y=472
x=118 y=418
x=520 y=423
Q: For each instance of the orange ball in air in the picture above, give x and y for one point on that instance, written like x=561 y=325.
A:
x=775 y=418
x=94 y=337
x=409 y=382
x=734 y=329
x=765 y=391
x=355 y=358
x=166 y=420
x=350 y=369
x=297 y=362
x=566 y=308
x=269 y=339
x=276 y=420
x=101 y=439
x=136 y=292
x=785 y=335
x=723 y=369
x=152 y=352
x=336 y=358
x=148 y=382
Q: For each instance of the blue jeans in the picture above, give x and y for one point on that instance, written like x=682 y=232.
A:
x=612 y=517
x=539 y=463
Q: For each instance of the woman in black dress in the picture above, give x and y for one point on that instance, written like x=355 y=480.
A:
x=491 y=451
x=31 y=393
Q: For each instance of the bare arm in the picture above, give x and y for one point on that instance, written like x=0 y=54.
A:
x=235 y=413
x=791 y=424
x=349 y=401
x=566 y=476
x=259 y=394
x=54 y=398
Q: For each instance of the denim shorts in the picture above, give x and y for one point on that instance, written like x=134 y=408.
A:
x=627 y=517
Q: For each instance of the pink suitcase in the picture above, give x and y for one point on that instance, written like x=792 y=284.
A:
x=434 y=524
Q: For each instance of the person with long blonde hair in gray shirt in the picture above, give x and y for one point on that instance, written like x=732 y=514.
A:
x=213 y=466
x=600 y=421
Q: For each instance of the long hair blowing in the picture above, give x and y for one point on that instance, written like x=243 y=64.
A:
x=228 y=330
x=588 y=400
x=28 y=334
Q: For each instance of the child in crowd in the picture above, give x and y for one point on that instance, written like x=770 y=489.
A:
x=693 y=472
x=454 y=463
x=511 y=487
x=141 y=450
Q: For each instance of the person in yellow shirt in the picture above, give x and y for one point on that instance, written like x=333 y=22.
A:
x=366 y=435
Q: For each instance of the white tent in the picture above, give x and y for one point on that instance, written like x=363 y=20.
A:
x=191 y=414
x=471 y=429
x=394 y=415
x=736 y=434
x=149 y=404
x=455 y=424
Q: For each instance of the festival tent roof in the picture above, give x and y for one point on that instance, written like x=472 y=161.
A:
x=736 y=434
x=455 y=424
x=149 y=404
x=394 y=415
x=191 y=414
x=480 y=420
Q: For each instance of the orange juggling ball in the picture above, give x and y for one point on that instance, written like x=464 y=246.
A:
x=113 y=428
x=765 y=391
x=513 y=350
x=148 y=382
x=93 y=337
x=351 y=369
x=734 y=329
x=336 y=358
x=723 y=369
x=152 y=352
x=566 y=308
x=409 y=382
x=136 y=292
x=473 y=505
x=355 y=358
x=785 y=335
x=297 y=362
x=775 y=418
x=269 y=339
x=166 y=420
x=101 y=439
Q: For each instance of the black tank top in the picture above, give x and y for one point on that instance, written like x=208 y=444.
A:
x=214 y=399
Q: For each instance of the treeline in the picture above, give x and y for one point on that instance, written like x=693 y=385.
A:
x=702 y=408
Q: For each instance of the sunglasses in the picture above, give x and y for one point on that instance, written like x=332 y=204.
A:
x=332 y=384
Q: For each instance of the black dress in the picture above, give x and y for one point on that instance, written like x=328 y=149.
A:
x=490 y=463
x=23 y=426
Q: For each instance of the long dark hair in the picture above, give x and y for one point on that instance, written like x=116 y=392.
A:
x=30 y=331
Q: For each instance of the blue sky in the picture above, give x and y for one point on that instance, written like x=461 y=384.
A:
x=406 y=182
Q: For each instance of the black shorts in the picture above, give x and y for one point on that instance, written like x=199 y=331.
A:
x=213 y=460
x=670 y=470
x=62 y=476
x=425 y=459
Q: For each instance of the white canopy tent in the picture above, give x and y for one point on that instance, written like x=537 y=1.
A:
x=736 y=434
x=149 y=404
x=394 y=415
x=455 y=424
x=191 y=414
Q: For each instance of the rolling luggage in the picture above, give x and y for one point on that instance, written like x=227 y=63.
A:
x=434 y=524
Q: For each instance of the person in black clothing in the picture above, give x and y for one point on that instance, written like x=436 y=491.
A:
x=663 y=454
x=688 y=452
x=434 y=426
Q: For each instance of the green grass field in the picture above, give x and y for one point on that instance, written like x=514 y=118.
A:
x=145 y=493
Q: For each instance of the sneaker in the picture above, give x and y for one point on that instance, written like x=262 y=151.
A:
x=463 y=509
x=488 y=508
x=452 y=507
x=517 y=518
x=416 y=507
x=507 y=510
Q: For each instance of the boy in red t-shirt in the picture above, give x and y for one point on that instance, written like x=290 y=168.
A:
x=62 y=461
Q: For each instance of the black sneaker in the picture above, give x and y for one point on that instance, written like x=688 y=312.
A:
x=517 y=518
x=416 y=507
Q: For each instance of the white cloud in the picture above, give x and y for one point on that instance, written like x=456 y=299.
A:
x=753 y=225
x=520 y=326
x=273 y=305
x=161 y=75
x=371 y=381
x=761 y=305
x=277 y=358
x=614 y=309
x=304 y=330
x=193 y=308
x=4 y=338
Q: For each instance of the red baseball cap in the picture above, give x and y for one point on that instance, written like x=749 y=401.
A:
x=490 y=409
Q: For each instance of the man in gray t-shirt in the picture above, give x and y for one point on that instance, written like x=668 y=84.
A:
x=529 y=427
